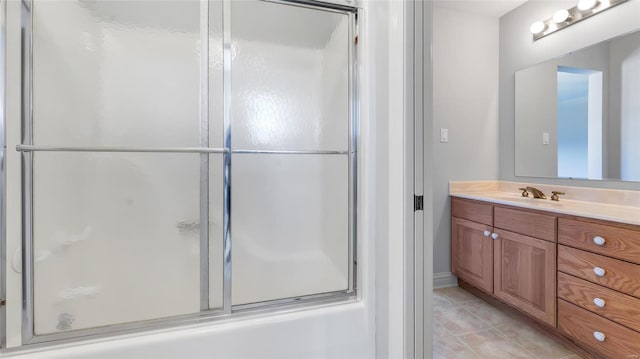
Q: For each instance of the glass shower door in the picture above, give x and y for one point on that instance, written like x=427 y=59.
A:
x=119 y=96
x=290 y=144
x=184 y=159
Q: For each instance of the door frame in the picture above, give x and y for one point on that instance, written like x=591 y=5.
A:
x=418 y=229
x=3 y=246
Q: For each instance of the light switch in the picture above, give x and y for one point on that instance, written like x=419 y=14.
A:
x=545 y=138
x=444 y=135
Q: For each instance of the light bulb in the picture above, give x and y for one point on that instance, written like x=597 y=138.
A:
x=537 y=27
x=584 y=5
x=561 y=16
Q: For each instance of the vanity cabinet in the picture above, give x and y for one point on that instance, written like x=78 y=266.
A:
x=577 y=274
x=510 y=254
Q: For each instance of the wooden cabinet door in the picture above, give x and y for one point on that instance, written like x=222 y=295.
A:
x=472 y=253
x=525 y=274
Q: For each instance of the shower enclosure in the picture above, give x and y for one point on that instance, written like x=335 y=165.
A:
x=184 y=160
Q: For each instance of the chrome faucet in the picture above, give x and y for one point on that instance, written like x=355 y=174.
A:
x=536 y=192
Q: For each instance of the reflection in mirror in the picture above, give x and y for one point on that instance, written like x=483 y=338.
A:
x=578 y=116
x=579 y=122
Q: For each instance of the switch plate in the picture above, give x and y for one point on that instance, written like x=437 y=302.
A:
x=444 y=135
x=545 y=138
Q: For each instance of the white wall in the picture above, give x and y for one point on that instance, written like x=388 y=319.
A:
x=337 y=331
x=517 y=51
x=465 y=101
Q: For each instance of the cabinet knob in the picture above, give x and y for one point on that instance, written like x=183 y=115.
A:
x=495 y=235
x=486 y=233
x=599 y=241
x=599 y=271
x=599 y=302
x=599 y=336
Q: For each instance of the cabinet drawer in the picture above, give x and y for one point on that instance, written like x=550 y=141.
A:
x=618 y=307
x=618 y=341
x=527 y=223
x=618 y=275
x=618 y=242
x=473 y=211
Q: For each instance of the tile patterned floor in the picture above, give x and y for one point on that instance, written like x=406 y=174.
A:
x=467 y=327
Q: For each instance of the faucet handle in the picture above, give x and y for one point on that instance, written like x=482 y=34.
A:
x=525 y=192
x=555 y=196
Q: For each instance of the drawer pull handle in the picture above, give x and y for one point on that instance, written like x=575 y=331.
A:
x=495 y=235
x=599 y=336
x=599 y=271
x=599 y=302
x=486 y=233
x=599 y=241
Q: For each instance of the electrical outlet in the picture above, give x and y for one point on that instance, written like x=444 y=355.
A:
x=545 y=138
x=444 y=135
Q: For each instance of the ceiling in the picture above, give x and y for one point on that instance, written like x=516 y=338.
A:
x=493 y=8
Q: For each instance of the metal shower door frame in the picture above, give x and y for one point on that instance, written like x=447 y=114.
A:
x=27 y=148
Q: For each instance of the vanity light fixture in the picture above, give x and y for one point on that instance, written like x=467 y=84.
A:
x=584 y=5
x=563 y=18
x=537 y=27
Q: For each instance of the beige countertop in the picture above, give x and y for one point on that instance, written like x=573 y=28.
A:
x=610 y=205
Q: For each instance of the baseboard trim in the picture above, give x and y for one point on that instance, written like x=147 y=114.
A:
x=444 y=279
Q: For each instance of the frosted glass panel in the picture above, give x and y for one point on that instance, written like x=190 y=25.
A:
x=290 y=226
x=216 y=73
x=116 y=238
x=117 y=72
x=290 y=77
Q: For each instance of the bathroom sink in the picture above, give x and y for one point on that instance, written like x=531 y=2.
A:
x=517 y=199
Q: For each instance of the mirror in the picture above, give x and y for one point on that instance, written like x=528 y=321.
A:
x=578 y=116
